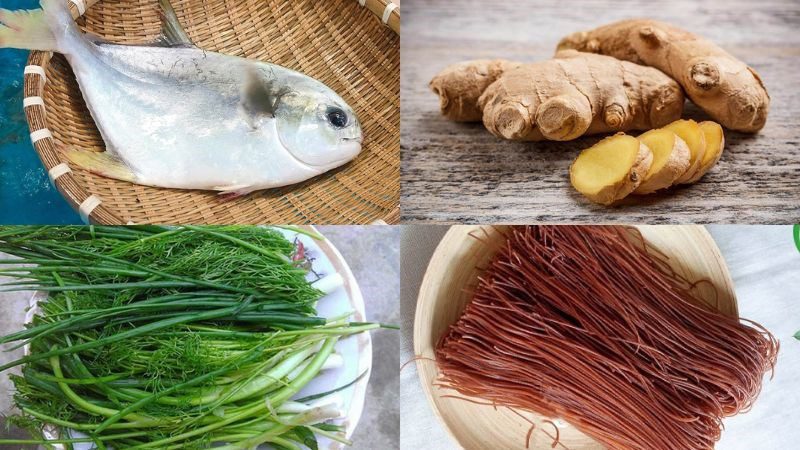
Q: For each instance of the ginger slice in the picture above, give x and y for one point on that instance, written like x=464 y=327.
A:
x=671 y=158
x=690 y=132
x=715 y=143
x=611 y=169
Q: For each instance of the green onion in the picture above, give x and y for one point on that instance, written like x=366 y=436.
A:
x=183 y=337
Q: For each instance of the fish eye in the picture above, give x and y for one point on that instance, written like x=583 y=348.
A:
x=336 y=117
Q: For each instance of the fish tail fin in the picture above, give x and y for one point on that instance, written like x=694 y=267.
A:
x=50 y=28
x=62 y=25
x=26 y=29
x=101 y=163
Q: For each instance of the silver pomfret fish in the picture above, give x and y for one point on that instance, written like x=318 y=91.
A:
x=174 y=115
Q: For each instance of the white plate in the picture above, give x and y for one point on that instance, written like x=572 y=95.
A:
x=356 y=350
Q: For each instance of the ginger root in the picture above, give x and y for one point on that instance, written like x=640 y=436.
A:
x=559 y=99
x=724 y=87
x=692 y=134
x=671 y=159
x=611 y=169
x=459 y=86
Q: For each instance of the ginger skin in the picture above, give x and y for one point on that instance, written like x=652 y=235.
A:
x=560 y=99
x=459 y=86
x=724 y=87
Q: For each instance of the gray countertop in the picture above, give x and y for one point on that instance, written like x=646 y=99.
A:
x=373 y=255
x=455 y=172
x=765 y=267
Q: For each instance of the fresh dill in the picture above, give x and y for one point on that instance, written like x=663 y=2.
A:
x=170 y=338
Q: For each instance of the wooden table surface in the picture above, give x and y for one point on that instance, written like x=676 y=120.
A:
x=455 y=172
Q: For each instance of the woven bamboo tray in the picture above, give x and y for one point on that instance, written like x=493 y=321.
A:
x=353 y=46
x=443 y=295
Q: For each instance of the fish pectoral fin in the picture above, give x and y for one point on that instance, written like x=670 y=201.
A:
x=101 y=163
x=172 y=32
x=258 y=96
x=233 y=191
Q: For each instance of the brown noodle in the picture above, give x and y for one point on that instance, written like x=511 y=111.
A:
x=580 y=322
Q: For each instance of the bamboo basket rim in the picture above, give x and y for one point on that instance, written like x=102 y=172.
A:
x=91 y=207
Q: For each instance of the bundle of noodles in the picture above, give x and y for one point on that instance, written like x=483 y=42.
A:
x=582 y=323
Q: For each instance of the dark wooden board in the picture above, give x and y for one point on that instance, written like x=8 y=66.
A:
x=455 y=172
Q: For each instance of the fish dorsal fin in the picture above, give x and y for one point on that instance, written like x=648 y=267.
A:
x=172 y=33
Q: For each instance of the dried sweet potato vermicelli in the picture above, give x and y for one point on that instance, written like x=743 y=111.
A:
x=582 y=323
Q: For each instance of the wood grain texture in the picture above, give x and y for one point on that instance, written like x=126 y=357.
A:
x=460 y=173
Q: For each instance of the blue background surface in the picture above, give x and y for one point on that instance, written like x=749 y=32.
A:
x=26 y=194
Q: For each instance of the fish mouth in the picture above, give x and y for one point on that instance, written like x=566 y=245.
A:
x=350 y=147
x=349 y=140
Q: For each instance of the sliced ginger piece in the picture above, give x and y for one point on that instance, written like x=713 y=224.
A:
x=671 y=158
x=715 y=143
x=611 y=169
x=690 y=132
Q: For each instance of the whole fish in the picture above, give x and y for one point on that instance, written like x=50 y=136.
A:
x=174 y=115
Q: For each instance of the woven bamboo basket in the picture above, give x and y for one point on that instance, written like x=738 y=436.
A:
x=353 y=46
